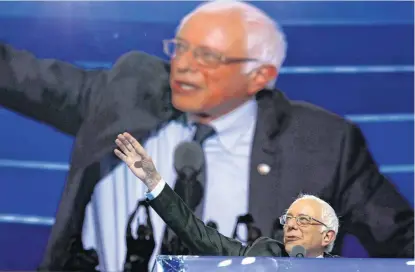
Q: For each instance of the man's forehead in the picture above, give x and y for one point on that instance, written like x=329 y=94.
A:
x=213 y=30
x=305 y=207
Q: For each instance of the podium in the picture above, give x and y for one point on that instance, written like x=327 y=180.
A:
x=265 y=264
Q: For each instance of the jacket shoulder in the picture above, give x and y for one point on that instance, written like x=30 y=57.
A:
x=304 y=116
x=141 y=66
x=307 y=112
x=315 y=126
x=137 y=81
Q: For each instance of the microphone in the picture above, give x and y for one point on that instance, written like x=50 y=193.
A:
x=188 y=159
x=188 y=162
x=298 y=252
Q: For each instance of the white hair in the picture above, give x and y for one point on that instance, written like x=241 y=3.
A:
x=328 y=217
x=265 y=38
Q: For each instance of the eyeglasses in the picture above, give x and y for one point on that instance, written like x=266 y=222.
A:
x=302 y=220
x=203 y=55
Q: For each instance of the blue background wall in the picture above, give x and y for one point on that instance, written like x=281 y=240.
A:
x=353 y=58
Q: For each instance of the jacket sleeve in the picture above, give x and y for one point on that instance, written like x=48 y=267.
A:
x=49 y=91
x=199 y=238
x=369 y=205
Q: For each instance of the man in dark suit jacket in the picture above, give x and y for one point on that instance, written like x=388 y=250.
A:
x=303 y=222
x=305 y=148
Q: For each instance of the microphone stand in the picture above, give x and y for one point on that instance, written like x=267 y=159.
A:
x=139 y=250
x=184 y=188
x=186 y=176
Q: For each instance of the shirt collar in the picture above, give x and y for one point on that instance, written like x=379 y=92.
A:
x=233 y=125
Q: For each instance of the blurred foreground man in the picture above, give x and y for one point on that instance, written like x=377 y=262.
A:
x=309 y=222
x=262 y=151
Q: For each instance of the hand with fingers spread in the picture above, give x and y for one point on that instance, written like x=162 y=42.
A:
x=133 y=154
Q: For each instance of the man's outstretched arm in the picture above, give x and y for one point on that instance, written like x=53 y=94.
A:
x=46 y=90
x=198 y=237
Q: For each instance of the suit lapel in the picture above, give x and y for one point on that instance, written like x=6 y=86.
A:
x=273 y=113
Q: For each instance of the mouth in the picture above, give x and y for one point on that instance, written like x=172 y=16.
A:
x=291 y=239
x=183 y=87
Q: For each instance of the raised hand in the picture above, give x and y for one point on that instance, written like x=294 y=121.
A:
x=133 y=154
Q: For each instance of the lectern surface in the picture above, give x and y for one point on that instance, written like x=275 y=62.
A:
x=265 y=264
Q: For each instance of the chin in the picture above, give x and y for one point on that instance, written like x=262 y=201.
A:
x=186 y=104
x=288 y=248
x=190 y=103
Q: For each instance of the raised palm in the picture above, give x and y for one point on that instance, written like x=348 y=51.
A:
x=133 y=154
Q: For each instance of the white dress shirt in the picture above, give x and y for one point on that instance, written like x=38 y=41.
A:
x=227 y=183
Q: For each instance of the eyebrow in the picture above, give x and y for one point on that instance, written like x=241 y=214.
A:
x=180 y=39
x=200 y=46
x=300 y=214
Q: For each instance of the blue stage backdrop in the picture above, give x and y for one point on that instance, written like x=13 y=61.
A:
x=353 y=58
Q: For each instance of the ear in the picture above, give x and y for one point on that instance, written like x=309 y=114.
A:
x=260 y=77
x=328 y=237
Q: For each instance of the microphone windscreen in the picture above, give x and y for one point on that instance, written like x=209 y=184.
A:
x=189 y=156
x=298 y=252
